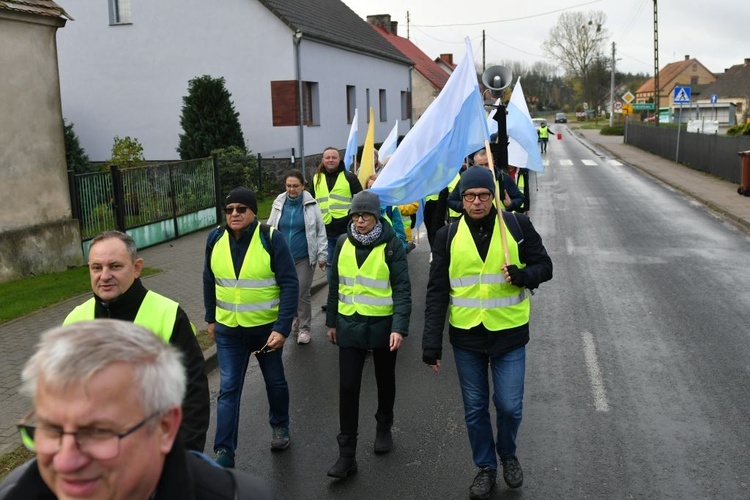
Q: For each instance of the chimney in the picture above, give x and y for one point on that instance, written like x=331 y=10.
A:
x=394 y=28
x=747 y=61
x=381 y=20
x=448 y=58
x=687 y=57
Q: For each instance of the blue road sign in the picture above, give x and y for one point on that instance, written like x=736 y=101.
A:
x=682 y=95
x=714 y=98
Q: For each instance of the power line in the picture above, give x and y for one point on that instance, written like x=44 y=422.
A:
x=506 y=20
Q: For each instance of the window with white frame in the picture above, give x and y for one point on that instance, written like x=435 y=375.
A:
x=120 y=12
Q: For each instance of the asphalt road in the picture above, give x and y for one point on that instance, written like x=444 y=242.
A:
x=637 y=371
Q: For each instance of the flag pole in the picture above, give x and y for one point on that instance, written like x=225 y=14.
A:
x=498 y=202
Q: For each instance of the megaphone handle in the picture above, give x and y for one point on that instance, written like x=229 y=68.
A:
x=502 y=136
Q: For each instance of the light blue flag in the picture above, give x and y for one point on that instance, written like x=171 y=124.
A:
x=351 y=143
x=389 y=144
x=523 y=145
x=430 y=155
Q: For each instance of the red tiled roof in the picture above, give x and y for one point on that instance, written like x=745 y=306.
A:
x=422 y=63
x=666 y=75
x=39 y=7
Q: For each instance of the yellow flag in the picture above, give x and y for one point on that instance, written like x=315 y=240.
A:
x=366 y=165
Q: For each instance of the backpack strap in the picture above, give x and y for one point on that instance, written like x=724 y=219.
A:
x=513 y=226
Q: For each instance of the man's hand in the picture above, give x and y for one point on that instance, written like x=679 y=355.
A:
x=211 y=327
x=513 y=275
x=507 y=201
x=396 y=340
x=276 y=341
x=332 y=335
x=432 y=358
x=322 y=264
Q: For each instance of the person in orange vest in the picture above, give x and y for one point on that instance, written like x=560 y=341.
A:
x=114 y=270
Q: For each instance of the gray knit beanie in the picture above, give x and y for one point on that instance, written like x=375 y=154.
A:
x=477 y=177
x=367 y=202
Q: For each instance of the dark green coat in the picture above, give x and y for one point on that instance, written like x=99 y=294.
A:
x=372 y=332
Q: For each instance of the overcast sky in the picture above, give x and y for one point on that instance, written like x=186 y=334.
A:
x=710 y=31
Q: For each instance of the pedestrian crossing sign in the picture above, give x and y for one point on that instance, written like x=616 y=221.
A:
x=682 y=95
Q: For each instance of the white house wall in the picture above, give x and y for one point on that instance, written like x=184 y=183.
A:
x=129 y=80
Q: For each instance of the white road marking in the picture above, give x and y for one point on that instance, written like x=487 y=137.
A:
x=566 y=163
x=614 y=163
x=595 y=373
x=590 y=163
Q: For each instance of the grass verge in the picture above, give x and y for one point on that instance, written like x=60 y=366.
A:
x=27 y=295
x=13 y=459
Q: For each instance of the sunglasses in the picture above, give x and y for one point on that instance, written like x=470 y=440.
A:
x=230 y=210
x=364 y=216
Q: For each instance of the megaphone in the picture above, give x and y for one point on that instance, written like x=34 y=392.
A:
x=497 y=79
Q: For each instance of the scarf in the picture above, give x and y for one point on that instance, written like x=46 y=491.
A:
x=369 y=238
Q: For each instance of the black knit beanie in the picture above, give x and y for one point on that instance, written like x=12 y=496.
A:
x=242 y=195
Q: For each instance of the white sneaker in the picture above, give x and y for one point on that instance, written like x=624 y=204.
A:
x=303 y=337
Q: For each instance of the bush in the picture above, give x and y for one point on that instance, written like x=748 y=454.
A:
x=236 y=168
x=208 y=119
x=127 y=152
x=75 y=156
x=614 y=130
x=743 y=129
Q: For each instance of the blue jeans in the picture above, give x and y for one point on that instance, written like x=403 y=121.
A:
x=508 y=371
x=329 y=261
x=233 y=348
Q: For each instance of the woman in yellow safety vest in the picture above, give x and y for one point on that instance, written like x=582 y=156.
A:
x=369 y=304
x=333 y=186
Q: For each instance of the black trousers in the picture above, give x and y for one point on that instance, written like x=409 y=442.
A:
x=351 y=366
x=434 y=218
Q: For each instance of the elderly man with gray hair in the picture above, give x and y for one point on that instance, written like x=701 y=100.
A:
x=107 y=398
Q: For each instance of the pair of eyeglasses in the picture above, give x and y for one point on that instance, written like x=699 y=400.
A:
x=364 y=216
x=263 y=350
x=470 y=197
x=100 y=444
x=231 y=210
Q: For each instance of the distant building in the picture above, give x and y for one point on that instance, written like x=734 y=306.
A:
x=689 y=72
x=125 y=67
x=427 y=79
x=37 y=233
x=445 y=61
x=732 y=86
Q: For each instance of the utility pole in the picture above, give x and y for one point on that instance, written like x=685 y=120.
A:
x=612 y=90
x=407 y=24
x=656 y=65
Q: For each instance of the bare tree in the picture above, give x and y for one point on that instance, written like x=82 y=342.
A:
x=577 y=42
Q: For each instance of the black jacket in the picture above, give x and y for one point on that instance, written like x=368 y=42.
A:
x=338 y=226
x=372 y=332
x=196 y=407
x=538 y=270
x=185 y=476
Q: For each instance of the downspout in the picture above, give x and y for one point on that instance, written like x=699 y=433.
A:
x=298 y=71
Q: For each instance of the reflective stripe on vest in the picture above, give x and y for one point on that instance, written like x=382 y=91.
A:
x=365 y=290
x=252 y=299
x=157 y=313
x=431 y=197
x=479 y=292
x=333 y=205
x=452 y=213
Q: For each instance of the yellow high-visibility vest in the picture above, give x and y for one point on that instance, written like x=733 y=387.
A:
x=252 y=299
x=453 y=184
x=479 y=292
x=543 y=132
x=333 y=205
x=365 y=290
x=157 y=313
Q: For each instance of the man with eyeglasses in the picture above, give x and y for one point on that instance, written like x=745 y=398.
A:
x=107 y=407
x=114 y=270
x=250 y=291
x=487 y=302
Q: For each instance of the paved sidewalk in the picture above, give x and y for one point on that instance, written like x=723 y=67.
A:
x=182 y=262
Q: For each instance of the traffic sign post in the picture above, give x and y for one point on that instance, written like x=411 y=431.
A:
x=681 y=96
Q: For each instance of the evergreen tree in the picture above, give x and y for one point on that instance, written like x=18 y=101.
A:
x=75 y=156
x=208 y=119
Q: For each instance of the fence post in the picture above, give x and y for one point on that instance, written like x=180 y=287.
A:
x=217 y=188
x=173 y=196
x=75 y=207
x=260 y=175
x=119 y=201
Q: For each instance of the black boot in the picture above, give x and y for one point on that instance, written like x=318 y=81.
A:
x=383 y=435
x=346 y=465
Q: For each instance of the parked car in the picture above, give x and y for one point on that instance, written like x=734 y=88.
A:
x=561 y=118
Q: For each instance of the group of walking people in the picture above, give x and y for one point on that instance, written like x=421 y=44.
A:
x=256 y=284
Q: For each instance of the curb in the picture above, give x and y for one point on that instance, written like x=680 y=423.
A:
x=212 y=360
